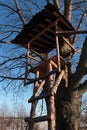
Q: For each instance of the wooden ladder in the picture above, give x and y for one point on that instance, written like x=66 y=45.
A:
x=44 y=72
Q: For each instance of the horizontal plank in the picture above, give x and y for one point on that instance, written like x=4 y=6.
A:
x=71 y=32
x=36 y=119
x=41 y=77
x=39 y=97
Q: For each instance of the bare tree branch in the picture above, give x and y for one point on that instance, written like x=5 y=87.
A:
x=20 y=12
x=82 y=88
x=79 y=25
x=68 y=9
x=1 y=41
x=10 y=26
x=12 y=78
x=11 y=59
x=56 y=3
x=7 y=6
x=81 y=69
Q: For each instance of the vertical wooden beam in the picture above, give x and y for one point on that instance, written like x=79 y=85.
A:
x=57 y=49
x=26 y=71
x=26 y=66
x=53 y=64
x=28 y=48
x=36 y=83
x=40 y=87
x=33 y=105
x=51 y=105
x=58 y=80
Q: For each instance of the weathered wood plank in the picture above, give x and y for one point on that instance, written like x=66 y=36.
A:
x=57 y=51
x=36 y=119
x=58 y=80
x=34 y=104
x=41 y=77
x=51 y=101
x=43 y=31
x=32 y=99
x=40 y=87
x=71 y=32
x=53 y=63
x=26 y=71
x=69 y=44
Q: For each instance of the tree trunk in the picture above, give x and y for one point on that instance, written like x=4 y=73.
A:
x=75 y=108
x=67 y=106
x=68 y=9
x=67 y=110
x=56 y=3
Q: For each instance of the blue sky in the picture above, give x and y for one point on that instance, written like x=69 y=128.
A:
x=12 y=100
x=12 y=97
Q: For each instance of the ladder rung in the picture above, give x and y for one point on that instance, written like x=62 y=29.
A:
x=39 y=97
x=41 y=77
x=36 y=119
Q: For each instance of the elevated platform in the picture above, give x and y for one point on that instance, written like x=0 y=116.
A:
x=40 y=31
x=42 y=67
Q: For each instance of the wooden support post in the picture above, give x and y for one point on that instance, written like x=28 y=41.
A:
x=36 y=83
x=53 y=63
x=51 y=102
x=26 y=71
x=28 y=48
x=28 y=54
x=71 y=32
x=26 y=67
x=33 y=105
x=36 y=119
x=69 y=44
x=40 y=87
x=47 y=95
x=56 y=85
x=57 y=50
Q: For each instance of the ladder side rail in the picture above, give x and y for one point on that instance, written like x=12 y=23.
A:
x=40 y=87
x=34 y=104
x=51 y=101
x=26 y=71
x=57 y=49
x=57 y=82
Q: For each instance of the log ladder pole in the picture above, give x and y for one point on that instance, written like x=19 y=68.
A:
x=34 y=103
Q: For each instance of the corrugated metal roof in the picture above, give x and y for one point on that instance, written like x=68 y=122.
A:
x=40 y=31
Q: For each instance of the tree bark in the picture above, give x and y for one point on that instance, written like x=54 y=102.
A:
x=63 y=109
x=67 y=108
x=56 y=3
x=81 y=69
x=68 y=9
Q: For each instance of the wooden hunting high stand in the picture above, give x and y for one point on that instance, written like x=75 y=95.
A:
x=42 y=35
